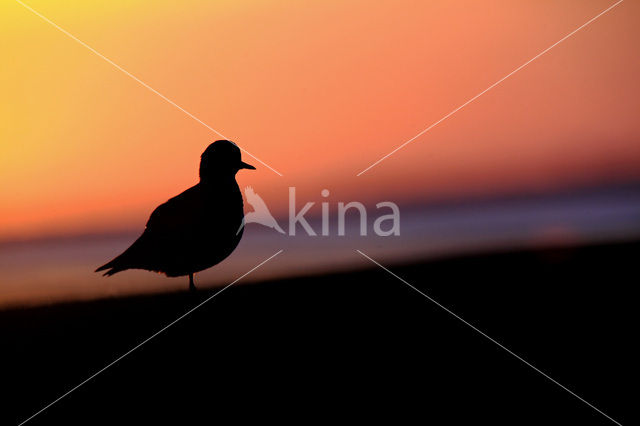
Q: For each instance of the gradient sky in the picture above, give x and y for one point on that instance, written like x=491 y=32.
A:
x=319 y=90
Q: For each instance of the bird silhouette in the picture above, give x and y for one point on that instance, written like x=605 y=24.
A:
x=196 y=229
x=260 y=213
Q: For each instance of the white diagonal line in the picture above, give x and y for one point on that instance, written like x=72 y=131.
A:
x=490 y=338
x=68 y=34
x=151 y=337
x=491 y=87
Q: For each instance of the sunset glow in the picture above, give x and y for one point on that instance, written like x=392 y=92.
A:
x=318 y=91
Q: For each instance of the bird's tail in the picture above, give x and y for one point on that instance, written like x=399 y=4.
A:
x=112 y=267
x=126 y=260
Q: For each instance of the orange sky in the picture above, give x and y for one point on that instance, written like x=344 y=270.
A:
x=319 y=90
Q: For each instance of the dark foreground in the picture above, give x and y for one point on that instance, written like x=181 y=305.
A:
x=350 y=346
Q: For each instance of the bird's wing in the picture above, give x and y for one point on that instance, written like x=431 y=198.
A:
x=170 y=222
x=178 y=215
x=186 y=221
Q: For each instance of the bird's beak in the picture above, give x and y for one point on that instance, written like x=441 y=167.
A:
x=244 y=165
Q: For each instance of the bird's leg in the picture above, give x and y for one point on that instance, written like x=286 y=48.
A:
x=192 y=286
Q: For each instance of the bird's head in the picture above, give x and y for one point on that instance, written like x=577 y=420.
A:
x=221 y=158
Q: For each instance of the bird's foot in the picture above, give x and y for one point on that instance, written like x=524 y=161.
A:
x=192 y=286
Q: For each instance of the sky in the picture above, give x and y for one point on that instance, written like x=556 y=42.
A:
x=317 y=90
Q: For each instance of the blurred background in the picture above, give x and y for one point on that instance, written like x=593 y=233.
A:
x=319 y=91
